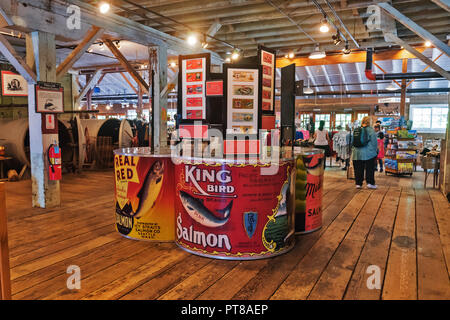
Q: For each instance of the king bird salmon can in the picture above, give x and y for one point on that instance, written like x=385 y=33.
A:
x=230 y=210
x=308 y=190
x=144 y=196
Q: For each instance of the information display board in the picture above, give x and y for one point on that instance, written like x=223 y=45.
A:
x=242 y=100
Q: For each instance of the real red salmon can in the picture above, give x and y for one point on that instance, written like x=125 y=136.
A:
x=144 y=195
x=231 y=210
x=308 y=189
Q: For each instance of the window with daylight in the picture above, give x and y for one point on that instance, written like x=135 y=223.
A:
x=429 y=118
x=304 y=120
x=325 y=117
x=361 y=116
x=343 y=119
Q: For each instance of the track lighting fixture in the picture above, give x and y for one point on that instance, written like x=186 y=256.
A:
x=336 y=39
x=204 y=43
x=236 y=54
x=346 y=49
x=324 y=26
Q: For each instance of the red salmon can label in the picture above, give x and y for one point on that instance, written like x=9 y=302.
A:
x=308 y=192
x=231 y=211
x=144 y=196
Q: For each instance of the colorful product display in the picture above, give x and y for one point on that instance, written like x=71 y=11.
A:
x=230 y=210
x=144 y=196
x=308 y=190
x=268 y=79
x=193 y=79
x=242 y=91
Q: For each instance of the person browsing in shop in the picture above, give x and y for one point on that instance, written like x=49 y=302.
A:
x=321 y=140
x=364 y=154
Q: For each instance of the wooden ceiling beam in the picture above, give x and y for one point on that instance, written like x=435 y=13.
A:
x=419 y=55
x=414 y=27
x=444 y=4
x=79 y=50
x=129 y=83
x=124 y=62
x=16 y=60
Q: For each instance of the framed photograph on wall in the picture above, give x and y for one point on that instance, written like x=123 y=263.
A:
x=267 y=59
x=49 y=97
x=242 y=99
x=194 y=71
x=13 y=84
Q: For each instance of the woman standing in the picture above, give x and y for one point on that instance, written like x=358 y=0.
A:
x=364 y=154
x=380 y=156
x=321 y=141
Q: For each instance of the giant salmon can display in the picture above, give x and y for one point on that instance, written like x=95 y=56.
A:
x=308 y=190
x=230 y=210
x=144 y=195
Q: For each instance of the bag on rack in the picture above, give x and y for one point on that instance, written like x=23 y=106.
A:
x=360 y=137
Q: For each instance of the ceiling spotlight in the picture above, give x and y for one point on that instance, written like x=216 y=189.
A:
x=392 y=86
x=324 y=26
x=317 y=54
x=308 y=90
x=104 y=7
x=427 y=44
x=228 y=60
x=173 y=64
x=118 y=44
x=90 y=50
x=235 y=54
x=346 y=50
x=291 y=55
x=286 y=56
x=336 y=39
x=204 y=42
x=101 y=46
x=192 y=40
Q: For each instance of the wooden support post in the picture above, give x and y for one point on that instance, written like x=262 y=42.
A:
x=403 y=90
x=139 y=103
x=445 y=158
x=41 y=54
x=5 y=278
x=159 y=65
x=90 y=83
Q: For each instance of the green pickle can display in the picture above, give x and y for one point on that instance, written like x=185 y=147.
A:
x=308 y=189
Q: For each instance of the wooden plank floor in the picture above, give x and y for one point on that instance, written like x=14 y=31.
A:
x=401 y=228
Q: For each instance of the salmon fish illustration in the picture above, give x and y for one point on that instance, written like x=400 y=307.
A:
x=197 y=210
x=150 y=190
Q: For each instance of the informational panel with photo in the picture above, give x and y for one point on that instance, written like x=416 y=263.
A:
x=242 y=101
x=193 y=88
x=14 y=84
x=49 y=97
x=268 y=80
